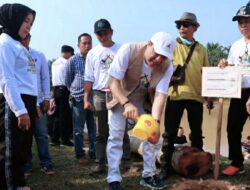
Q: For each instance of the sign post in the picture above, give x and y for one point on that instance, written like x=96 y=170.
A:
x=220 y=83
x=218 y=140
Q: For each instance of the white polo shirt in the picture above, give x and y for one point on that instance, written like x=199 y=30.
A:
x=97 y=65
x=58 y=71
x=240 y=54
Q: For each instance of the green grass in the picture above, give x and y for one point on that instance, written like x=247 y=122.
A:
x=70 y=175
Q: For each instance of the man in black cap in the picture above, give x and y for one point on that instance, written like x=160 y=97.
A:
x=97 y=65
x=237 y=114
x=96 y=77
x=187 y=94
x=63 y=121
x=67 y=50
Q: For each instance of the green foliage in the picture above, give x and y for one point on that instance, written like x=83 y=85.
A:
x=216 y=52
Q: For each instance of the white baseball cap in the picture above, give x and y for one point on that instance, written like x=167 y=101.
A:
x=163 y=44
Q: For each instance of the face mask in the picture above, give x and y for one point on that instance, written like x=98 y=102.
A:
x=185 y=41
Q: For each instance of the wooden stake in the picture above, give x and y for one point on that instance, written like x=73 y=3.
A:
x=218 y=139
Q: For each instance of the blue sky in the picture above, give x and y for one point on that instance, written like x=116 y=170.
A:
x=60 y=22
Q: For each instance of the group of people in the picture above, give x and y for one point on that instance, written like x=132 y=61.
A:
x=105 y=86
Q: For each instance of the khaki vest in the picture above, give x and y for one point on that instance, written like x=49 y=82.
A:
x=132 y=76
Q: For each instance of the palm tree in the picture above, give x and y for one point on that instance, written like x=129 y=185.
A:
x=216 y=52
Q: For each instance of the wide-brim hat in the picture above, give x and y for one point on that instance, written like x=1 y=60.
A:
x=188 y=17
x=243 y=12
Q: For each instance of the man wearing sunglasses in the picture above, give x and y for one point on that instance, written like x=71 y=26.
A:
x=186 y=95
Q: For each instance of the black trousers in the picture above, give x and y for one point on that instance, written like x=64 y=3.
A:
x=173 y=114
x=14 y=143
x=63 y=119
x=237 y=116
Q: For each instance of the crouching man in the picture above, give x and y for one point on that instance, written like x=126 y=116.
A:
x=139 y=70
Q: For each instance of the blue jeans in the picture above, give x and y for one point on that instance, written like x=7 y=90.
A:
x=41 y=136
x=80 y=116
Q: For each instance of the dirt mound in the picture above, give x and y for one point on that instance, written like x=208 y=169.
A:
x=205 y=185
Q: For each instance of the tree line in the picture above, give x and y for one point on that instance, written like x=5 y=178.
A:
x=216 y=52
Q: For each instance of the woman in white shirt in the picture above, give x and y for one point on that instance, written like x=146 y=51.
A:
x=18 y=91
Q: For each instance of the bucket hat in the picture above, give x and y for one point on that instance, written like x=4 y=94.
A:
x=188 y=17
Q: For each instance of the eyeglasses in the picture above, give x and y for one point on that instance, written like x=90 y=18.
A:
x=184 y=24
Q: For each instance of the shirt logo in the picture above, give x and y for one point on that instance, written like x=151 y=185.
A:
x=106 y=62
x=31 y=64
x=144 y=81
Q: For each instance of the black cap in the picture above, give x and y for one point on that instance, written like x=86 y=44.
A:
x=66 y=48
x=243 y=12
x=101 y=25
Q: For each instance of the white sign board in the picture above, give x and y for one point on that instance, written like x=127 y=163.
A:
x=244 y=68
x=223 y=83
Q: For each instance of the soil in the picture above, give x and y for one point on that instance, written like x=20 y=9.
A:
x=205 y=185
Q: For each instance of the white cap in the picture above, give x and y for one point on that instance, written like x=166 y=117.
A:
x=163 y=44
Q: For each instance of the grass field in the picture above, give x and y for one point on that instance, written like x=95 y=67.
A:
x=70 y=175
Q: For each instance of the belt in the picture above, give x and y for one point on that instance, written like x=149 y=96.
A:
x=245 y=89
x=60 y=87
x=100 y=91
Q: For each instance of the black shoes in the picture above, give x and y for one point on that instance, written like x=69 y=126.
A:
x=64 y=143
x=68 y=143
x=153 y=182
x=165 y=174
x=55 y=143
x=98 y=169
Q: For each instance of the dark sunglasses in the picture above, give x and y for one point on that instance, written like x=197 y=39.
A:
x=184 y=24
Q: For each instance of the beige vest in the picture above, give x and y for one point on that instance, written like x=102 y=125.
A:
x=132 y=76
